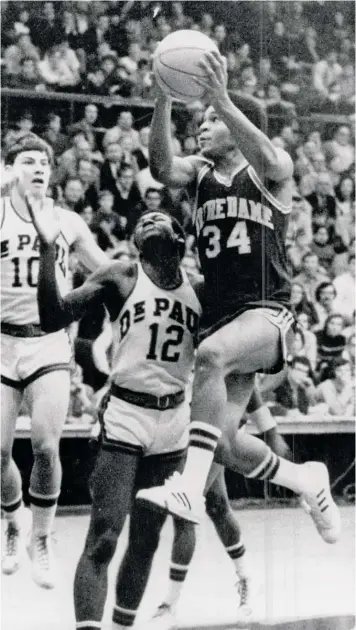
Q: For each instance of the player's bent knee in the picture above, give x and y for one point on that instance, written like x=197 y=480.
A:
x=209 y=357
x=46 y=453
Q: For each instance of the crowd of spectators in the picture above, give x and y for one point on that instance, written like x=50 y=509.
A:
x=102 y=172
x=295 y=56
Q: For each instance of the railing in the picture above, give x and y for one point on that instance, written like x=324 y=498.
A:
x=70 y=107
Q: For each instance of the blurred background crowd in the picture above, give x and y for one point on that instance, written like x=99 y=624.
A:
x=298 y=63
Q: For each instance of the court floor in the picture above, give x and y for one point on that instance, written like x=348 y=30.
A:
x=297 y=577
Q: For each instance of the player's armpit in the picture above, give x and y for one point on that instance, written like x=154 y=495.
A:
x=181 y=172
x=57 y=312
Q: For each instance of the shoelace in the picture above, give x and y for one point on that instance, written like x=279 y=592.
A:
x=42 y=551
x=12 y=537
x=162 y=608
x=242 y=587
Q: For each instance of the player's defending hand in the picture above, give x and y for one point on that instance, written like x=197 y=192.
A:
x=8 y=181
x=45 y=218
x=215 y=81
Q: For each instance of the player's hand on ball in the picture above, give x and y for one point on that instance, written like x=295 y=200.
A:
x=215 y=81
x=45 y=218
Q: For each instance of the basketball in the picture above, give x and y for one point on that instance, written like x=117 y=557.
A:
x=176 y=63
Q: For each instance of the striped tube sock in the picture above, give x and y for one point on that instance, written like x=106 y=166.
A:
x=122 y=618
x=43 y=512
x=177 y=575
x=13 y=512
x=281 y=472
x=203 y=439
x=237 y=553
x=88 y=625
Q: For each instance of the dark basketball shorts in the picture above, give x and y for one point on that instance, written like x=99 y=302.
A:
x=276 y=313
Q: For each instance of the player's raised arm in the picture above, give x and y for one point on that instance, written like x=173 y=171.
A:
x=164 y=165
x=268 y=161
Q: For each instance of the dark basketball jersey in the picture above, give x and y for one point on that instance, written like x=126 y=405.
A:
x=240 y=229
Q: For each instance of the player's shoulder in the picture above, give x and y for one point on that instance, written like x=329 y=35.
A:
x=116 y=271
x=198 y=162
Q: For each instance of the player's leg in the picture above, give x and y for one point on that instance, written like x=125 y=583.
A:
x=145 y=528
x=11 y=482
x=112 y=489
x=48 y=396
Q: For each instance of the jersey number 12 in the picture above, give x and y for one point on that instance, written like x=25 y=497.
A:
x=176 y=337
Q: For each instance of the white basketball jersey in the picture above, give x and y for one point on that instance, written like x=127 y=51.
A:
x=20 y=247
x=153 y=337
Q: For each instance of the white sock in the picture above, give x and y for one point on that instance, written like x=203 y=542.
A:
x=290 y=475
x=177 y=575
x=15 y=517
x=203 y=440
x=237 y=553
x=43 y=519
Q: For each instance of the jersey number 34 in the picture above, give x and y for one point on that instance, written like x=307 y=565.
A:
x=238 y=238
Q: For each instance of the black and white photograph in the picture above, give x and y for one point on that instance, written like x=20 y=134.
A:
x=178 y=315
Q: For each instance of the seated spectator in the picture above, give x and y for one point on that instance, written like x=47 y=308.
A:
x=300 y=303
x=304 y=163
x=124 y=127
x=73 y=195
x=89 y=176
x=206 y=24
x=278 y=49
x=106 y=80
x=317 y=165
x=325 y=303
x=56 y=72
x=111 y=167
x=141 y=152
x=345 y=289
x=275 y=105
x=265 y=76
x=44 y=27
x=311 y=276
x=54 y=137
x=145 y=180
x=299 y=219
x=87 y=214
x=109 y=226
x=338 y=391
x=128 y=157
x=248 y=80
x=326 y=72
x=86 y=124
x=96 y=34
x=323 y=203
x=152 y=200
x=339 y=152
x=14 y=54
x=297 y=391
x=21 y=23
x=179 y=20
x=349 y=352
x=221 y=39
x=127 y=197
x=68 y=161
x=345 y=208
x=327 y=248
x=28 y=78
x=296 y=251
x=130 y=62
x=310 y=346
x=330 y=343
x=143 y=83
x=24 y=125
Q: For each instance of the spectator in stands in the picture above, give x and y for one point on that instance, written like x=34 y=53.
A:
x=248 y=80
x=179 y=20
x=325 y=303
x=300 y=219
x=109 y=226
x=87 y=214
x=296 y=251
x=297 y=391
x=54 y=137
x=196 y=115
x=56 y=72
x=141 y=152
x=124 y=127
x=294 y=20
x=310 y=345
x=206 y=24
x=325 y=73
x=306 y=153
x=221 y=39
x=145 y=180
x=68 y=161
x=317 y=165
x=45 y=27
x=339 y=152
x=330 y=343
x=110 y=168
x=278 y=49
x=127 y=197
x=311 y=276
x=265 y=75
x=14 y=54
x=89 y=176
x=24 y=125
x=143 y=84
x=128 y=157
x=87 y=123
x=152 y=200
x=190 y=145
x=323 y=203
x=131 y=60
x=345 y=288
x=301 y=304
x=350 y=352
x=28 y=77
x=21 y=24
x=73 y=195
x=96 y=34
x=274 y=103
x=338 y=391
x=326 y=248
x=345 y=208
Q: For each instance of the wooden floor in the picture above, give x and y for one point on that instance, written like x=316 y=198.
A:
x=297 y=577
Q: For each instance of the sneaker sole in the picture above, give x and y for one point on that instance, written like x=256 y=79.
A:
x=10 y=571
x=165 y=510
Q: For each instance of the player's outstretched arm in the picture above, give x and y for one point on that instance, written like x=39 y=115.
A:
x=85 y=245
x=268 y=161
x=165 y=167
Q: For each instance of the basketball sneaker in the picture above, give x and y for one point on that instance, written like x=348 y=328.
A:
x=319 y=504
x=15 y=538
x=164 y=618
x=174 y=498
x=41 y=555
x=244 y=611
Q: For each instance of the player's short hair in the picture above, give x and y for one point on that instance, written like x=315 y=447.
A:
x=252 y=109
x=178 y=228
x=28 y=142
